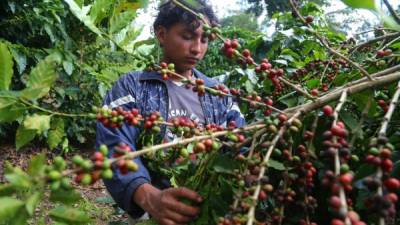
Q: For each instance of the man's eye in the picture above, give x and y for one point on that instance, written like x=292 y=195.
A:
x=186 y=37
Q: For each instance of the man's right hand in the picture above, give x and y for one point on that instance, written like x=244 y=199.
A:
x=165 y=205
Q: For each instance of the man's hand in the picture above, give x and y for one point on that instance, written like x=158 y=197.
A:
x=165 y=205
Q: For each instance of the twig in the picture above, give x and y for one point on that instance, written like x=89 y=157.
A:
x=351 y=89
x=342 y=194
x=389 y=43
x=389 y=113
x=325 y=43
x=392 y=11
x=296 y=88
x=384 y=37
x=382 y=133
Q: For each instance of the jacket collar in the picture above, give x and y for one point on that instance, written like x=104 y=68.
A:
x=154 y=75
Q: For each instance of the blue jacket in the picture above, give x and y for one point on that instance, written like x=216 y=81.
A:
x=147 y=92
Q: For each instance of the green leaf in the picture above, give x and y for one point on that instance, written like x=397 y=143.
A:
x=32 y=202
x=313 y=83
x=12 y=112
x=6 y=67
x=23 y=136
x=6 y=101
x=364 y=4
x=65 y=196
x=276 y=165
x=9 y=207
x=68 y=67
x=56 y=133
x=40 y=123
x=6 y=189
x=81 y=14
x=224 y=164
x=18 y=178
x=121 y=20
x=37 y=165
x=100 y=10
x=20 y=59
x=41 y=78
x=69 y=215
x=363 y=171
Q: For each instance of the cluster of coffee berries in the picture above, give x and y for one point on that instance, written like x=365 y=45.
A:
x=229 y=48
x=124 y=165
x=383 y=53
x=268 y=102
x=151 y=122
x=211 y=32
x=199 y=88
x=206 y=145
x=330 y=67
x=264 y=70
x=379 y=155
x=254 y=99
x=219 y=90
x=353 y=217
x=380 y=158
x=115 y=118
x=90 y=171
x=184 y=126
x=166 y=70
x=340 y=145
x=382 y=103
x=212 y=127
x=54 y=175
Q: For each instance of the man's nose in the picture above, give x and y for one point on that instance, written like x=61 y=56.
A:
x=195 y=47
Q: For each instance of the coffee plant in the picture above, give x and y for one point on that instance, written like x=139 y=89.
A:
x=320 y=147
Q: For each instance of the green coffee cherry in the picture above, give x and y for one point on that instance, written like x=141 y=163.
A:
x=107 y=174
x=54 y=175
x=104 y=150
x=86 y=179
x=77 y=159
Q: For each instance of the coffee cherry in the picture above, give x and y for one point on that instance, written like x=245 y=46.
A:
x=337 y=222
x=131 y=165
x=314 y=92
x=86 y=179
x=328 y=110
x=392 y=184
x=103 y=149
x=246 y=53
x=234 y=43
x=54 y=175
x=199 y=147
x=282 y=117
x=107 y=174
x=77 y=159
x=335 y=202
x=309 y=19
x=163 y=65
x=346 y=178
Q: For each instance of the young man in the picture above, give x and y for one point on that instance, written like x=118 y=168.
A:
x=184 y=43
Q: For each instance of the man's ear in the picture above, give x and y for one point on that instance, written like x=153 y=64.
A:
x=161 y=33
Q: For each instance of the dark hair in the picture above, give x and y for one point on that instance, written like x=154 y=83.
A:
x=170 y=14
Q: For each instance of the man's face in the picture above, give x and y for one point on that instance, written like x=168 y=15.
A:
x=183 y=46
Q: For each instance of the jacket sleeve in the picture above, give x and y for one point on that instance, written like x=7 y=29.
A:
x=121 y=187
